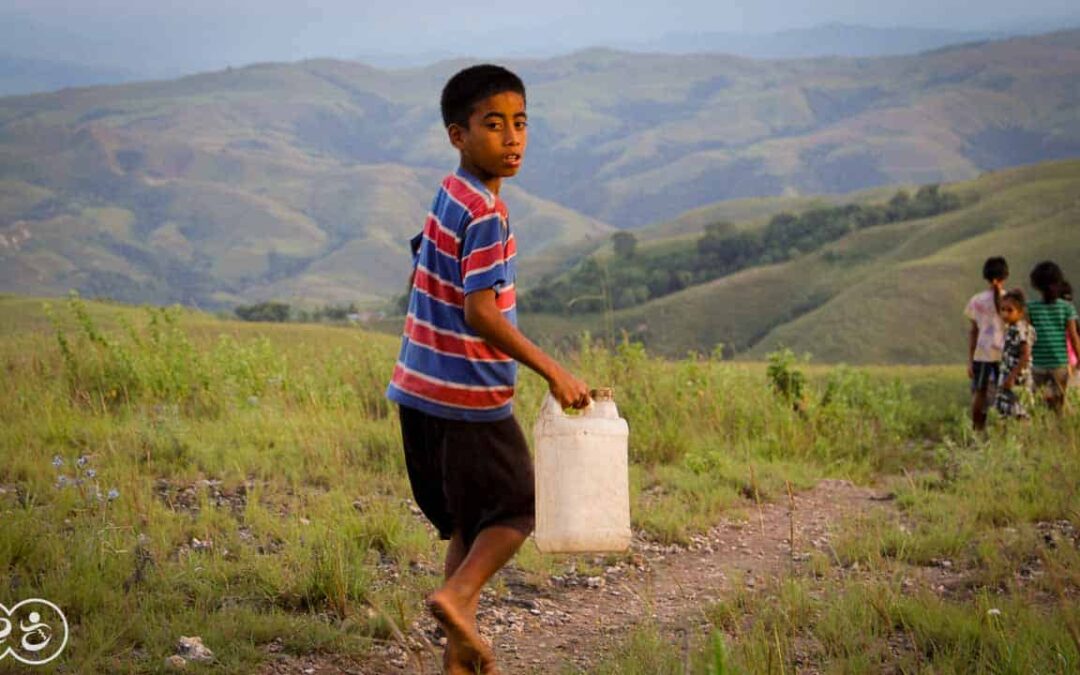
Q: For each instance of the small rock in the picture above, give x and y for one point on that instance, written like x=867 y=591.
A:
x=193 y=648
x=175 y=662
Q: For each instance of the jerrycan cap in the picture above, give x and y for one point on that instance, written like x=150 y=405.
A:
x=602 y=394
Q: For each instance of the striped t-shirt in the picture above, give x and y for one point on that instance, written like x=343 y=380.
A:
x=444 y=368
x=1050 y=321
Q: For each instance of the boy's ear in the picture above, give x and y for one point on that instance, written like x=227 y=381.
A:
x=456 y=134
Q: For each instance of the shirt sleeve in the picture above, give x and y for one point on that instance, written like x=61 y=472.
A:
x=414 y=247
x=483 y=254
x=969 y=309
x=1070 y=312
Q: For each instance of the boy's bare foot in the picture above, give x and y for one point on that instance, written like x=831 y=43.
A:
x=452 y=665
x=469 y=648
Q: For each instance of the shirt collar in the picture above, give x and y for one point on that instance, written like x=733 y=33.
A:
x=472 y=180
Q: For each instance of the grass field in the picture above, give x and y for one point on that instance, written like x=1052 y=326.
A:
x=166 y=473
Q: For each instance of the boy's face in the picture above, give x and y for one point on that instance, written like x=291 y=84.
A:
x=493 y=145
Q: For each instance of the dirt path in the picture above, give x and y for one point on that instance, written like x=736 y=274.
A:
x=574 y=619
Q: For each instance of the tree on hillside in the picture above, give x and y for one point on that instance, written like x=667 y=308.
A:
x=263 y=311
x=625 y=244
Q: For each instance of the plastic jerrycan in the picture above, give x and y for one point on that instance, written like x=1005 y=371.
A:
x=582 y=478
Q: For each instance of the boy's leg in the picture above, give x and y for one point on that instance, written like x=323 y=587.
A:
x=978 y=409
x=983 y=375
x=454 y=605
x=455 y=554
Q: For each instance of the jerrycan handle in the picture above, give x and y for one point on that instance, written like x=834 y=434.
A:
x=551 y=408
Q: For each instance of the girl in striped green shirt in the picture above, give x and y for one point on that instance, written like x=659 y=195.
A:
x=1055 y=323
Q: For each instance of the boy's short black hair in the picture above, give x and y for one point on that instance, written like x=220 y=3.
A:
x=1047 y=278
x=995 y=268
x=474 y=84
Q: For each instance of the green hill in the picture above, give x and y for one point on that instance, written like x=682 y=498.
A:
x=887 y=294
x=304 y=181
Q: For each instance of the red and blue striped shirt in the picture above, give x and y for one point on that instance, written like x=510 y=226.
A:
x=444 y=368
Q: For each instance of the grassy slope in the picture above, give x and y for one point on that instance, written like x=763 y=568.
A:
x=286 y=458
x=887 y=294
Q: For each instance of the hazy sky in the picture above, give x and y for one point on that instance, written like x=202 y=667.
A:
x=214 y=33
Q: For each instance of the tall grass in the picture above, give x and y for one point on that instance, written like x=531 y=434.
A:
x=248 y=483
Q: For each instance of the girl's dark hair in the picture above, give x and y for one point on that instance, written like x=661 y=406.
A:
x=995 y=268
x=472 y=85
x=1047 y=278
x=1017 y=296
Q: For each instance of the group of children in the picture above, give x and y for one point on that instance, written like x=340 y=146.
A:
x=1020 y=350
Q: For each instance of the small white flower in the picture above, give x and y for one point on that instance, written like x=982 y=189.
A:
x=90 y=473
x=61 y=481
x=114 y=494
x=83 y=461
x=58 y=461
x=993 y=611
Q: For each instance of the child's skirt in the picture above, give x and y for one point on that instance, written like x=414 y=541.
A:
x=1014 y=402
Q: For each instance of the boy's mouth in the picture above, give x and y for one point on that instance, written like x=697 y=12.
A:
x=512 y=159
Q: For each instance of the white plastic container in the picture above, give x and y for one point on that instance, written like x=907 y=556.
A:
x=582 y=478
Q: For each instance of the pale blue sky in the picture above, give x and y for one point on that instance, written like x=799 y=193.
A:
x=202 y=34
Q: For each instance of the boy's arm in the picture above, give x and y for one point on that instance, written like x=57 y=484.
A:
x=973 y=340
x=483 y=316
x=1073 y=335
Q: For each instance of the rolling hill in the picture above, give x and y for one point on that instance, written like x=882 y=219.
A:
x=888 y=294
x=303 y=181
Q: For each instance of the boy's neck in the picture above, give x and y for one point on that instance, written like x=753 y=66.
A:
x=492 y=183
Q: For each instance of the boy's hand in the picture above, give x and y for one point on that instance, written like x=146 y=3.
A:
x=568 y=390
x=971 y=370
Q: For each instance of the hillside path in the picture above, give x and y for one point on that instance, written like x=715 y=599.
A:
x=574 y=620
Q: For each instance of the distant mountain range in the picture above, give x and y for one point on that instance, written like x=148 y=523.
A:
x=28 y=76
x=305 y=180
x=88 y=59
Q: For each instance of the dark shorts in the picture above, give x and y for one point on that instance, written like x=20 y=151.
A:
x=985 y=375
x=468 y=476
x=1051 y=383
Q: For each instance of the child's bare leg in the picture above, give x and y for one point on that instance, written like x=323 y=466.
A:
x=454 y=605
x=978 y=410
x=455 y=554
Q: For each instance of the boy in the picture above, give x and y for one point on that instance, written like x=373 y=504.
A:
x=467 y=459
x=985 y=337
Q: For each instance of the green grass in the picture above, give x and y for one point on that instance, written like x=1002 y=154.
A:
x=274 y=443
